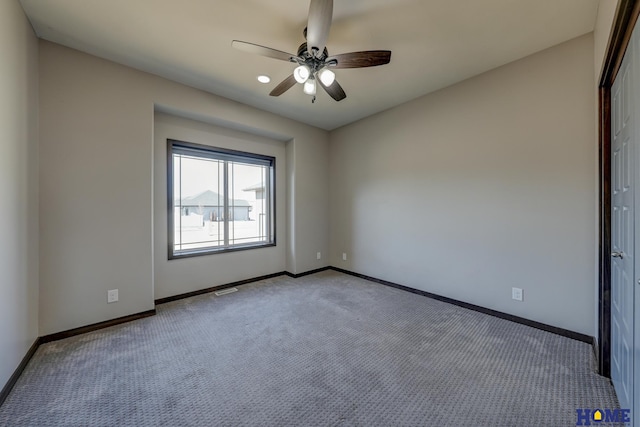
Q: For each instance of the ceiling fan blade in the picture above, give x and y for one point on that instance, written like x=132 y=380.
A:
x=334 y=90
x=318 y=25
x=261 y=50
x=366 y=58
x=284 y=86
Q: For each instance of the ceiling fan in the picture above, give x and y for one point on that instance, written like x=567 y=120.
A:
x=314 y=63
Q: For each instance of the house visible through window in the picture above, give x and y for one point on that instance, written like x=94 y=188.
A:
x=219 y=200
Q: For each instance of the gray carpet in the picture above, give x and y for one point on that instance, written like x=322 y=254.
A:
x=322 y=350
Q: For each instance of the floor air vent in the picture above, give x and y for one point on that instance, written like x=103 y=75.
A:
x=225 y=291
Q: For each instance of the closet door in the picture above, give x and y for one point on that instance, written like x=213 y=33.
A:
x=623 y=145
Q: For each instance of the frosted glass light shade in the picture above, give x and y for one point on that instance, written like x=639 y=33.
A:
x=301 y=73
x=327 y=77
x=310 y=87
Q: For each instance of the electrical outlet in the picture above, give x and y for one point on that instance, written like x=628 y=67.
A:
x=319 y=255
x=517 y=294
x=112 y=296
x=344 y=256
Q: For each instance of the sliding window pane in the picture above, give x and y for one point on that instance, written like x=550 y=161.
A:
x=198 y=203
x=248 y=185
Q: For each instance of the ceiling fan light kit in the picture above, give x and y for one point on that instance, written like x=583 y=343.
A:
x=310 y=87
x=301 y=73
x=313 y=58
x=326 y=76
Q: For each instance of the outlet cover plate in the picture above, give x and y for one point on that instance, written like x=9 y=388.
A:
x=112 y=296
x=517 y=294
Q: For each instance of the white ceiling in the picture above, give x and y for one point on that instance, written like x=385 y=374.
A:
x=435 y=43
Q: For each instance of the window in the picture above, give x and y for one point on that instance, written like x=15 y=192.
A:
x=218 y=200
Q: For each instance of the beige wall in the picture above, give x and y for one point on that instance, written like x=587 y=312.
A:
x=212 y=270
x=18 y=187
x=483 y=186
x=97 y=184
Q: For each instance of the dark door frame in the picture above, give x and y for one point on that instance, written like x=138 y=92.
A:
x=624 y=21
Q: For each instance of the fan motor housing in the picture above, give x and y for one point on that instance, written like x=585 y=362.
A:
x=303 y=53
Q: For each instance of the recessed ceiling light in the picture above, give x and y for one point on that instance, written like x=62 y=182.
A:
x=264 y=79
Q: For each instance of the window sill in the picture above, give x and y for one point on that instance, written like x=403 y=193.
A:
x=210 y=251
